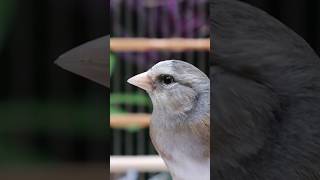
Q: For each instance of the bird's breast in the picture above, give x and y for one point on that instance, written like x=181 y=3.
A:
x=189 y=169
x=183 y=152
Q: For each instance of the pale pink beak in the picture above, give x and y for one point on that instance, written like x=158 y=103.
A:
x=142 y=81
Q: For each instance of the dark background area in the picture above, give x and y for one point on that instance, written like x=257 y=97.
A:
x=301 y=16
x=50 y=116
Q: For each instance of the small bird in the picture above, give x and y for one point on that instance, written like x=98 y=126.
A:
x=180 y=121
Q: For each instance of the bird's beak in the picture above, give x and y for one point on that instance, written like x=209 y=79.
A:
x=142 y=81
x=89 y=60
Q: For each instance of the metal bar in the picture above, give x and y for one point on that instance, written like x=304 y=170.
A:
x=150 y=44
x=151 y=163
x=140 y=120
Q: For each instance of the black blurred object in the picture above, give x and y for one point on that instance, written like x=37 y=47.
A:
x=89 y=60
x=265 y=97
x=52 y=122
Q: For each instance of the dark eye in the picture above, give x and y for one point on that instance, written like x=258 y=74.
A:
x=166 y=79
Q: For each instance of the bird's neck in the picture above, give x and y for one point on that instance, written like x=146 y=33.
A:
x=164 y=118
x=187 y=133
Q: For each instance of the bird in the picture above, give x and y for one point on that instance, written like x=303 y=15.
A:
x=180 y=120
x=89 y=60
x=265 y=98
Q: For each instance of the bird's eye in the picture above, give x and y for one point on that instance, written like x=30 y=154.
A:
x=166 y=79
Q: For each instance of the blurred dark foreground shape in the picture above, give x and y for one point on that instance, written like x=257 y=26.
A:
x=59 y=172
x=53 y=123
x=89 y=60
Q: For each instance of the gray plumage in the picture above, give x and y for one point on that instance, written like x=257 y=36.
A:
x=180 y=124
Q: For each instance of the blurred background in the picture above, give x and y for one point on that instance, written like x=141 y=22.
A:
x=301 y=16
x=187 y=19
x=53 y=123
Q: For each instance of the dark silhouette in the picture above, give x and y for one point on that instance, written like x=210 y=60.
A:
x=265 y=97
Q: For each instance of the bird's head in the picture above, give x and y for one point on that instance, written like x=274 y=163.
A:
x=177 y=89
